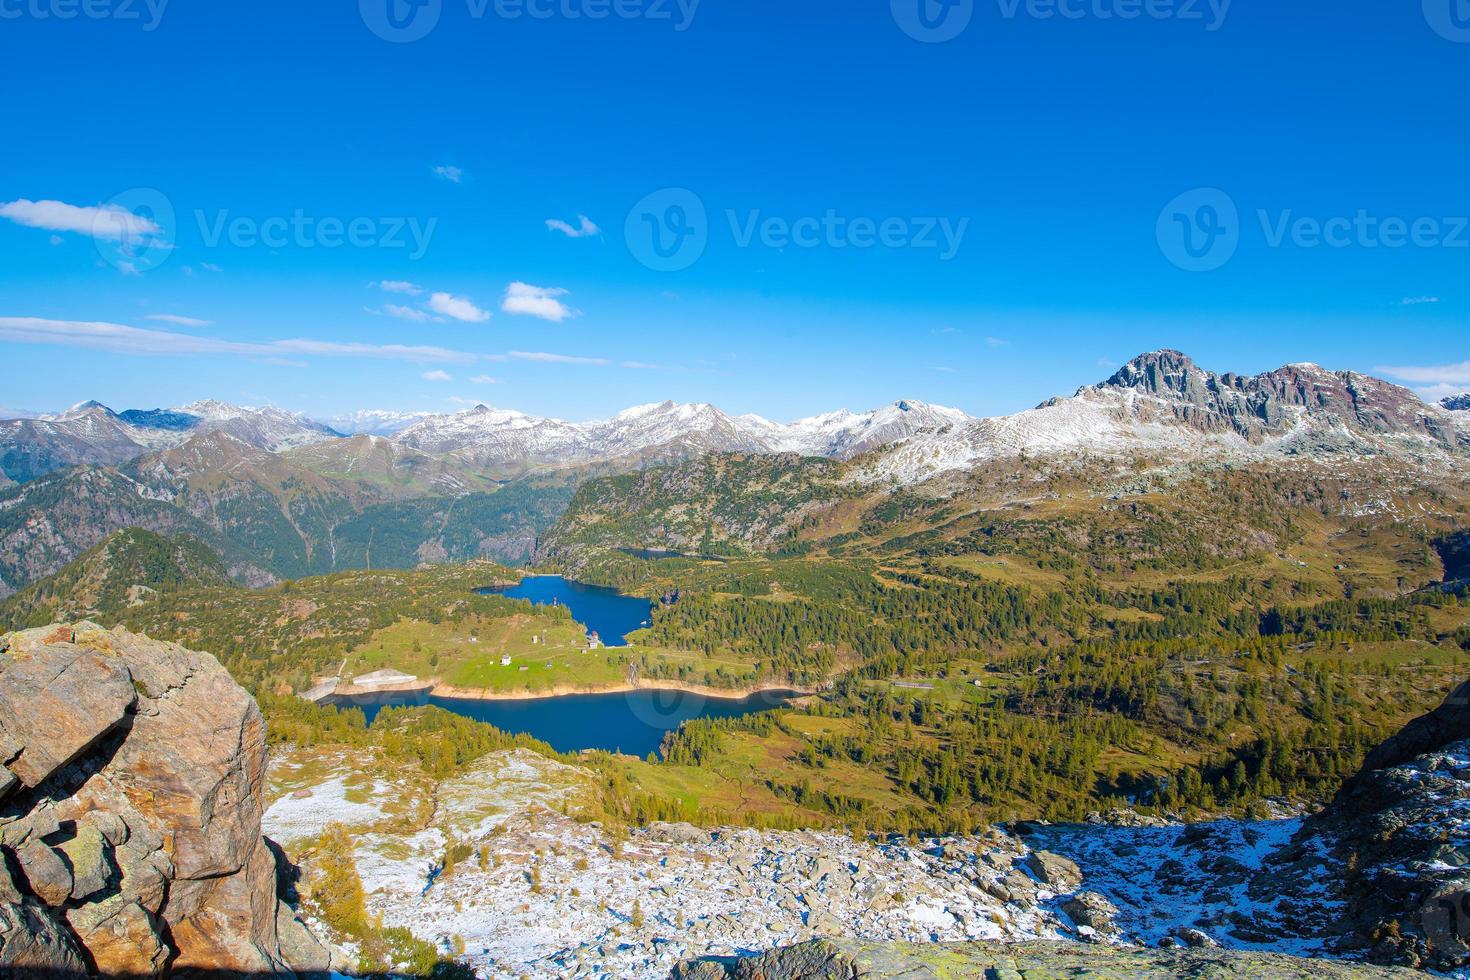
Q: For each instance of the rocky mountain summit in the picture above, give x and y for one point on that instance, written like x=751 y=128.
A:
x=131 y=796
x=1259 y=406
x=1457 y=403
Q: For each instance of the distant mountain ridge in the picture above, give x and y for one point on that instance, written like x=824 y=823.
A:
x=92 y=433
x=504 y=442
x=1457 y=403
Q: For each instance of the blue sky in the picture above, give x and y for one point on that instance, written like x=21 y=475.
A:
x=982 y=221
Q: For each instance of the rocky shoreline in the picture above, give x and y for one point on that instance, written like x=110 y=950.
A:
x=435 y=688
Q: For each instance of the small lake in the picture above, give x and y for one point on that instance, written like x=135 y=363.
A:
x=608 y=612
x=634 y=722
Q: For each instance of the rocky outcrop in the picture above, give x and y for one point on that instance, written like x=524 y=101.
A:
x=1456 y=403
x=1258 y=406
x=130 y=802
x=853 y=960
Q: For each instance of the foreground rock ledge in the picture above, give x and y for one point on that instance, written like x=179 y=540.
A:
x=131 y=790
x=828 y=959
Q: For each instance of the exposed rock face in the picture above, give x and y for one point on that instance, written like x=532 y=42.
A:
x=130 y=804
x=1265 y=404
x=1457 y=403
x=850 y=960
x=1405 y=829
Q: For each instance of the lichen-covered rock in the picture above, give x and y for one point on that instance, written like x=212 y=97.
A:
x=91 y=865
x=856 y=960
x=135 y=813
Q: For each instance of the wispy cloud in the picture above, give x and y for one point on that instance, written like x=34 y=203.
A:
x=584 y=229
x=524 y=299
x=402 y=312
x=210 y=267
x=484 y=379
x=1446 y=374
x=437 y=376
x=545 y=358
x=397 y=286
x=1434 y=393
x=179 y=321
x=121 y=339
x=642 y=366
x=452 y=174
x=996 y=342
x=1419 y=300
x=99 y=221
x=457 y=307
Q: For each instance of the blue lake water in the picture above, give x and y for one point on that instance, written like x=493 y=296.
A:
x=634 y=722
x=607 y=611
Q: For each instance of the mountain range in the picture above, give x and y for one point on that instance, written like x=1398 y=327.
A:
x=276 y=493
x=1160 y=401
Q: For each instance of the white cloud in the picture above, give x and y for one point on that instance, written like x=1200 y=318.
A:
x=100 y=221
x=584 y=229
x=527 y=300
x=1434 y=393
x=452 y=174
x=1448 y=374
x=642 y=366
x=437 y=376
x=121 y=339
x=179 y=321
x=398 y=286
x=404 y=313
x=545 y=358
x=484 y=379
x=210 y=267
x=457 y=307
x=996 y=341
x=1419 y=300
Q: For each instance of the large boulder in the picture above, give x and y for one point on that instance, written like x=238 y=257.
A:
x=135 y=791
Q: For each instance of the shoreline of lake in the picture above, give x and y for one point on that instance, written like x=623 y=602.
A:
x=433 y=687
